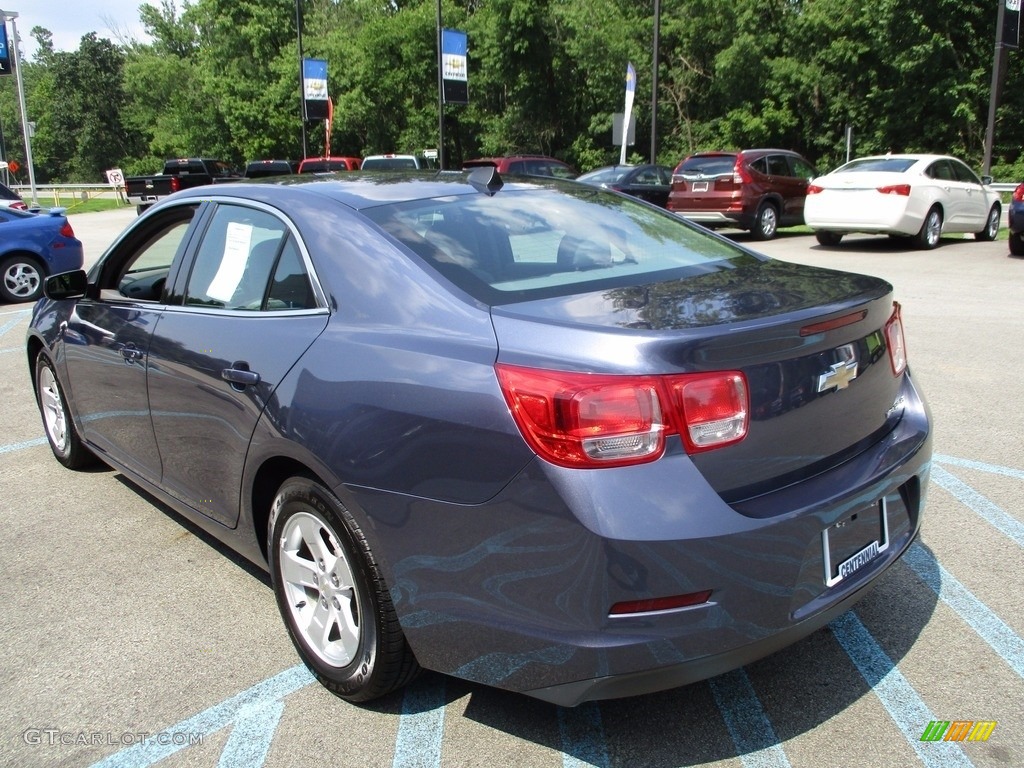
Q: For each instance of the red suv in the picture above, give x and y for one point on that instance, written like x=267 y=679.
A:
x=526 y=165
x=758 y=190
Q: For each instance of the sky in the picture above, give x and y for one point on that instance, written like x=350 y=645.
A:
x=69 y=20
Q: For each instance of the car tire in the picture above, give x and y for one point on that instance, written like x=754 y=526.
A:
x=21 y=279
x=991 y=230
x=827 y=238
x=1016 y=243
x=930 y=233
x=766 y=222
x=332 y=596
x=60 y=430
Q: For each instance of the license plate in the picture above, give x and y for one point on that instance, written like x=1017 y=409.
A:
x=854 y=541
x=699 y=186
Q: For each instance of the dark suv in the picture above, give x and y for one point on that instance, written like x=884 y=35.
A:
x=758 y=190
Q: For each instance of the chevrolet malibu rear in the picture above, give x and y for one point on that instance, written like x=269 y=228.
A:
x=539 y=436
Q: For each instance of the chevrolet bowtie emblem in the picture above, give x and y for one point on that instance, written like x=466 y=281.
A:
x=838 y=377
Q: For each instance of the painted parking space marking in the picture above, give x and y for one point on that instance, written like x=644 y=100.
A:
x=896 y=694
x=252 y=735
x=993 y=630
x=981 y=466
x=752 y=733
x=12 y=447
x=583 y=740
x=981 y=506
x=421 y=726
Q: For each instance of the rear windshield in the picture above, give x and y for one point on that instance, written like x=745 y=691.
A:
x=389 y=164
x=528 y=244
x=8 y=194
x=717 y=165
x=605 y=175
x=323 y=166
x=871 y=164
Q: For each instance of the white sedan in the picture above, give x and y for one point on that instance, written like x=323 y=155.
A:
x=917 y=197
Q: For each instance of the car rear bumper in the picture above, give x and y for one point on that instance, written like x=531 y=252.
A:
x=525 y=607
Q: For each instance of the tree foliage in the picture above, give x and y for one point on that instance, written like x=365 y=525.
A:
x=221 y=78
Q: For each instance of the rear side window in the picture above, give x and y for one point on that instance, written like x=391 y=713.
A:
x=242 y=249
x=778 y=165
x=760 y=165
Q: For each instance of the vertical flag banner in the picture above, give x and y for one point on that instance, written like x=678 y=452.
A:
x=630 y=91
x=314 y=89
x=454 y=74
x=1011 y=24
x=6 y=67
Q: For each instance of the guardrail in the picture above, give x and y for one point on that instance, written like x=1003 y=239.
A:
x=82 y=191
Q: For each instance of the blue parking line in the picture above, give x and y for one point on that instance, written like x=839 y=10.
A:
x=993 y=630
x=12 y=447
x=981 y=466
x=421 y=726
x=1000 y=520
x=749 y=726
x=241 y=706
x=582 y=731
x=252 y=735
x=897 y=695
x=12 y=323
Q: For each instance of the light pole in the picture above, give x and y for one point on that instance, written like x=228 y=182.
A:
x=4 y=17
x=302 y=79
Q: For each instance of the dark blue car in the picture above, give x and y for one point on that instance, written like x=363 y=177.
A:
x=33 y=246
x=525 y=432
x=1015 y=220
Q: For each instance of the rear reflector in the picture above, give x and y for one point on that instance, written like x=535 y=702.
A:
x=653 y=605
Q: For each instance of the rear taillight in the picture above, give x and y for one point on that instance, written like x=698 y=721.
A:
x=813 y=189
x=740 y=174
x=20 y=206
x=903 y=190
x=1018 y=194
x=175 y=184
x=599 y=420
x=895 y=340
x=66 y=230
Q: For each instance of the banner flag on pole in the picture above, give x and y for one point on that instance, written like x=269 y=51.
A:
x=314 y=89
x=6 y=62
x=1010 y=35
x=630 y=91
x=454 y=74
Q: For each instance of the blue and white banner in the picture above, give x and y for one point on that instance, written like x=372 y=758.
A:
x=314 y=89
x=1010 y=34
x=6 y=61
x=454 y=71
x=630 y=91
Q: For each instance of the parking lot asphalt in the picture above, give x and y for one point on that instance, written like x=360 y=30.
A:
x=129 y=638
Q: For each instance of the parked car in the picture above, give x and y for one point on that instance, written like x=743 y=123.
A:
x=329 y=164
x=393 y=162
x=11 y=199
x=32 y=246
x=1015 y=220
x=916 y=197
x=758 y=190
x=648 y=182
x=179 y=173
x=546 y=438
x=258 y=169
x=525 y=165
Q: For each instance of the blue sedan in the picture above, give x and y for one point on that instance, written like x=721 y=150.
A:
x=529 y=433
x=33 y=246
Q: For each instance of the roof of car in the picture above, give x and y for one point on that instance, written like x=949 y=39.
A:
x=363 y=190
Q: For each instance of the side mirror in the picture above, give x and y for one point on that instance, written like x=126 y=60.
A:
x=66 y=285
x=986 y=180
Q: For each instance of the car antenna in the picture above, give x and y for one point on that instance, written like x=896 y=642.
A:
x=486 y=180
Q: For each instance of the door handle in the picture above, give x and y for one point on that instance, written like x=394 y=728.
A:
x=239 y=374
x=132 y=354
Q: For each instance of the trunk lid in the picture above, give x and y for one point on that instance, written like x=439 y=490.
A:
x=810 y=342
